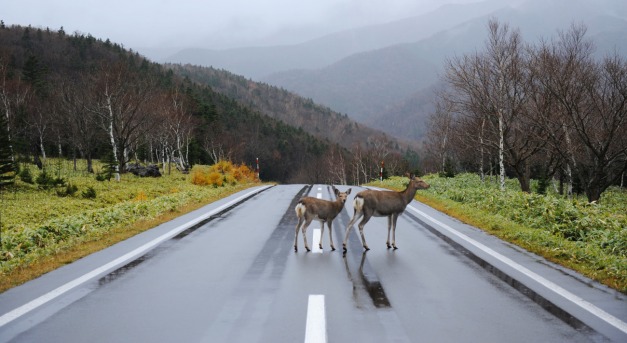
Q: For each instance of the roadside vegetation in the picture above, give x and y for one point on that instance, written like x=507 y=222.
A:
x=590 y=238
x=54 y=217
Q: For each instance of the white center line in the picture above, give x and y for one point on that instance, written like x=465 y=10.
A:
x=316 y=232
x=316 y=329
x=315 y=247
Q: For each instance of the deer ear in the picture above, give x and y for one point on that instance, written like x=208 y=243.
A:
x=348 y=191
x=335 y=190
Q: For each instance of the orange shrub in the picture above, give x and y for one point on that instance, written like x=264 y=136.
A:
x=215 y=179
x=199 y=175
x=220 y=173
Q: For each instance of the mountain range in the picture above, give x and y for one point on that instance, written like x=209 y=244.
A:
x=384 y=76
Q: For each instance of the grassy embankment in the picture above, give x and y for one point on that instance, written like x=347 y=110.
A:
x=43 y=229
x=588 y=238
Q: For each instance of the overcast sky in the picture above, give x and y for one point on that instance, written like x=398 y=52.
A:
x=213 y=24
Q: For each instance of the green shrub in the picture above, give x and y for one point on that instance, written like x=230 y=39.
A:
x=89 y=193
x=26 y=176
x=69 y=190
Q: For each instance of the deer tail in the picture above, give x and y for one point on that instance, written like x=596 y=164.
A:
x=358 y=204
x=300 y=210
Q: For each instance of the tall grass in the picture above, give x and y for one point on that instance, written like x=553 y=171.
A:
x=589 y=238
x=39 y=222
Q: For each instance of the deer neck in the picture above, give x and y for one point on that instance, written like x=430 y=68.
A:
x=408 y=193
x=337 y=205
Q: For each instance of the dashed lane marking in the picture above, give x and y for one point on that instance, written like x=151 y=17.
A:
x=316 y=327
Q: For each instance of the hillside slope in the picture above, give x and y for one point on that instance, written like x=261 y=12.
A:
x=289 y=108
x=50 y=84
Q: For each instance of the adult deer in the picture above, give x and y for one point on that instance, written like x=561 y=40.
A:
x=309 y=209
x=389 y=204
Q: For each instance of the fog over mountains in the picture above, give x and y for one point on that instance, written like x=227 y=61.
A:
x=384 y=75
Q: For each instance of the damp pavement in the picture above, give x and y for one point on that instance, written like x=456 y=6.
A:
x=228 y=273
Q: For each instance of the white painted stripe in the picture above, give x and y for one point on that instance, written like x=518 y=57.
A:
x=591 y=308
x=315 y=247
x=118 y=262
x=316 y=329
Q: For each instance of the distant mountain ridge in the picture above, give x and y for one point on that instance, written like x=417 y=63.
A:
x=258 y=62
x=384 y=75
x=392 y=88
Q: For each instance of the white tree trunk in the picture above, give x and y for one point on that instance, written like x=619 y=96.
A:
x=501 y=151
x=481 y=171
x=569 y=172
x=112 y=138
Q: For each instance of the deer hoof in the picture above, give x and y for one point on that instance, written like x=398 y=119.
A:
x=389 y=246
x=366 y=247
x=395 y=247
x=295 y=249
x=308 y=250
x=344 y=248
x=332 y=248
x=320 y=246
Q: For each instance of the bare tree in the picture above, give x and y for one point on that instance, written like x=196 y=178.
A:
x=175 y=128
x=81 y=123
x=14 y=95
x=591 y=111
x=336 y=166
x=440 y=130
x=122 y=99
x=491 y=89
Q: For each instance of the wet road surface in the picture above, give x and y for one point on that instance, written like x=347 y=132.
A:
x=236 y=278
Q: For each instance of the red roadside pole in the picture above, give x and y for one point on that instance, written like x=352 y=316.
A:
x=381 y=173
x=257 y=170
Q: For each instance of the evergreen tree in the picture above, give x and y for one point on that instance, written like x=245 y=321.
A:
x=7 y=165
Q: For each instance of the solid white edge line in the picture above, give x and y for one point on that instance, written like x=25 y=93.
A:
x=33 y=304
x=315 y=248
x=591 y=308
x=316 y=326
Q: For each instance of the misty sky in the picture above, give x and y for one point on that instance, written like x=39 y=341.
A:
x=213 y=24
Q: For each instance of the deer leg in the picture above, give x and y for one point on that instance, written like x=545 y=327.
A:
x=321 y=234
x=330 y=224
x=349 y=226
x=305 y=234
x=361 y=231
x=394 y=218
x=300 y=222
x=389 y=227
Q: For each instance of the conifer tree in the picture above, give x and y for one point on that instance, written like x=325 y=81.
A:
x=7 y=164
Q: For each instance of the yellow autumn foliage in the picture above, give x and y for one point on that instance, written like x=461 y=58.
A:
x=222 y=173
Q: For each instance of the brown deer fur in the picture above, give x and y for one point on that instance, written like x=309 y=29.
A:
x=309 y=209
x=389 y=204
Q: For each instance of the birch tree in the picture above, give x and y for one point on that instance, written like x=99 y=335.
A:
x=122 y=98
x=13 y=98
x=591 y=109
x=490 y=88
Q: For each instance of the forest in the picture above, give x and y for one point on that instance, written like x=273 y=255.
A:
x=550 y=111
x=77 y=97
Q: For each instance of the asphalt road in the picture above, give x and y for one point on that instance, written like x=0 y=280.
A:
x=236 y=278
